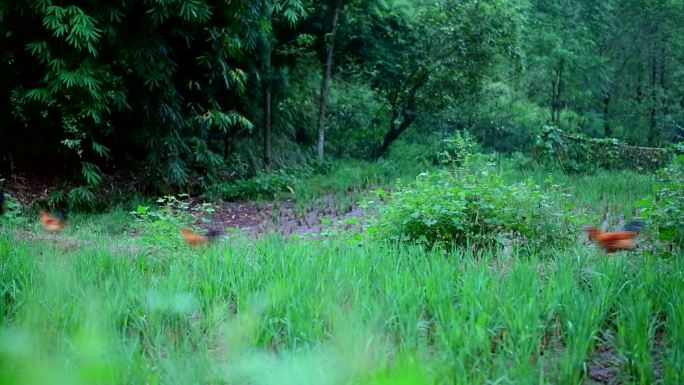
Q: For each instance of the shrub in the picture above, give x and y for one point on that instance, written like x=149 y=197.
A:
x=12 y=213
x=476 y=209
x=171 y=213
x=665 y=211
x=263 y=185
x=458 y=150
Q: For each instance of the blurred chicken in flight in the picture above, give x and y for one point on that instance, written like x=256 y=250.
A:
x=51 y=223
x=615 y=241
x=194 y=240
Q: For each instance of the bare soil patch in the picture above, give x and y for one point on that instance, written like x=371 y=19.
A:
x=285 y=218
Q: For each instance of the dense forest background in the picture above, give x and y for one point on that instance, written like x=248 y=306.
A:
x=191 y=92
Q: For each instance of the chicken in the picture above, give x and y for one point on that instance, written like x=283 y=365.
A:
x=51 y=223
x=194 y=240
x=615 y=241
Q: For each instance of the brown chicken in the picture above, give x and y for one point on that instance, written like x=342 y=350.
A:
x=615 y=241
x=194 y=240
x=51 y=223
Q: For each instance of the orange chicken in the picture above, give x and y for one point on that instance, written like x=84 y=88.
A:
x=51 y=223
x=194 y=240
x=615 y=241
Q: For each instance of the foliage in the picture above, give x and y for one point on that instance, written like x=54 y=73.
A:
x=263 y=185
x=606 y=63
x=665 y=211
x=128 y=312
x=355 y=115
x=578 y=153
x=458 y=150
x=503 y=118
x=175 y=90
x=103 y=68
x=12 y=213
x=593 y=195
x=470 y=209
x=171 y=213
x=428 y=56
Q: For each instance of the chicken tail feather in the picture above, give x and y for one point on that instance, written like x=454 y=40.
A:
x=634 y=226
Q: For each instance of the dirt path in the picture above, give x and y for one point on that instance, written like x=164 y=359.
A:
x=285 y=218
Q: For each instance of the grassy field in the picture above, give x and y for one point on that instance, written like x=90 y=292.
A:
x=110 y=301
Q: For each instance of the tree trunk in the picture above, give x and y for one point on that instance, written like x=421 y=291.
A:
x=325 y=84
x=654 y=77
x=408 y=116
x=266 y=89
x=638 y=89
x=267 y=127
x=394 y=133
x=607 y=131
x=663 y=60
x=556 y=91
x=407 y=108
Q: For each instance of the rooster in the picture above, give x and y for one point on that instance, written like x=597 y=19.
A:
x=51 y=223
x=194 y=240
x=615 y=241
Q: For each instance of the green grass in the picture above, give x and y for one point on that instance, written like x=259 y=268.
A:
x=596 y=193
x=103 y=304
x=346 y=182
x=262 y=311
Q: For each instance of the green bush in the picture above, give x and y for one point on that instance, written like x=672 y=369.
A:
x=263 y=185
x=665 y=212
x=476 y=209
x=170 y=213
x=451 y=149
x=458 y=150
x=12 y=214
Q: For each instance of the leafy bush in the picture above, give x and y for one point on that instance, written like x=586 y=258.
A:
x=458 y=150
x=263 y=185
x=172 y=212
x=454 y=149
x=477 y=209
x=80 y=197
x=12 y=211
x=411 y=152
x=96 y=83
x=665 y=212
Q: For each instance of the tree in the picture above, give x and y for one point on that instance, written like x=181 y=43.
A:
x=163 y=81
x=325 y=83
x=605 y=65
x=272 y=12
x=428 y=56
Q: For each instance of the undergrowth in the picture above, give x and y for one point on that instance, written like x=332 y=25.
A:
x=275 y=312
x=460 y=207
x=118 y=298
